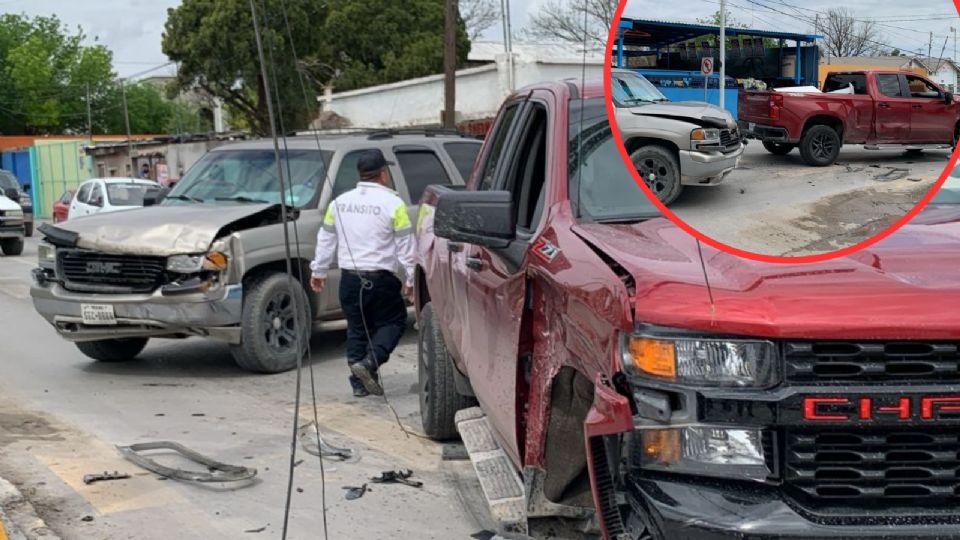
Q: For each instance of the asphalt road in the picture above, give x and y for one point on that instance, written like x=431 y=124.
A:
x=776 y=205
x=61 y=415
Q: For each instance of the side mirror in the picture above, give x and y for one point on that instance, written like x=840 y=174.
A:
x=484 y=218
x=12 y=193
x=155 y=196
x=948 y=97
x=98 y=202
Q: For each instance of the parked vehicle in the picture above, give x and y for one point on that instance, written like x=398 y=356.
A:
x=11 y=188
x=673 y=144
x=61 y=208
x=105 y=195
x=887 y=109
x=628 y=377
x=209 y=260
x=12 y=228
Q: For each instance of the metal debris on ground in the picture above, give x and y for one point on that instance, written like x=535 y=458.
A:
x=91 y=478
x=354 y=492
x=397 y=477
x=215 y=470
x=260 y=530
x=308 y=439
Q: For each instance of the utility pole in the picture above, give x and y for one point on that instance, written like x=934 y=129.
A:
x=723 y=50
x=89 y=116
x=126 y=118
x=507 y=41
x=450 y=65
x=930 y=45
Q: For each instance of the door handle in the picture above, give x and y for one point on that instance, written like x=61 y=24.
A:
x=474 y=263
x=918 y=106
x=455 y=247
x=883 y=105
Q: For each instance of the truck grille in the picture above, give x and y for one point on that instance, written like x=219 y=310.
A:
x=872 y=362
x=893 y=467
x=89 y=271
x=729 y=139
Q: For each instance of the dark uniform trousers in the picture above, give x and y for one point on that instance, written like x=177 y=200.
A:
x=374 y=298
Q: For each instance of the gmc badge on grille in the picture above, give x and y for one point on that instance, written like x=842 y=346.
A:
x=100 y=267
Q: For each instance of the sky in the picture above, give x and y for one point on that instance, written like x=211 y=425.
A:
x=132 y=29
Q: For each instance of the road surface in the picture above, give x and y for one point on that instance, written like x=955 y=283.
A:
x=776 y=205
x=61 y=415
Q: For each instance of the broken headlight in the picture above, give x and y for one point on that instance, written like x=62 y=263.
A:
x=706 y=451
x=46 y=255
x=703 y=137
x=686 y=358
x=192 y=264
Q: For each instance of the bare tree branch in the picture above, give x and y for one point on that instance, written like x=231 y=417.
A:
x=847 y=36
x=479 y=16
x=562 y=20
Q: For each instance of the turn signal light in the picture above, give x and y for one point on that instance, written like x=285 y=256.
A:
x=654 y=356
x=661 y=446
x=215 y=261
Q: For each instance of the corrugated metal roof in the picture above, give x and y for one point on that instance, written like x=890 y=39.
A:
x=659 y=33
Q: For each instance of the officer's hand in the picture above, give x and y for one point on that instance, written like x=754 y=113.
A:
x=317 y=283
x=408 y=292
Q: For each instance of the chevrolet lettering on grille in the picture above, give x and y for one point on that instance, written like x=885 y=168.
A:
x=867 y=408
x=101 y=267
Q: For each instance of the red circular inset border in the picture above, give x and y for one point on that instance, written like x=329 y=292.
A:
x=607 y=65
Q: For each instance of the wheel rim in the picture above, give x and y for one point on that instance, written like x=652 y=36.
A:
x=823 y=146
x=423 y=374
x=656 y=173
x=279 y=322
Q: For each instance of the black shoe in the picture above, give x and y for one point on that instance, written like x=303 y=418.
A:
x=366 y=371
x=360 y=392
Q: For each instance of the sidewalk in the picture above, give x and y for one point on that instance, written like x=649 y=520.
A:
x=18 y=519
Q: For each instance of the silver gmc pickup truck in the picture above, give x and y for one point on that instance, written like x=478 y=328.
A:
x=209 y=259
x=673 y=144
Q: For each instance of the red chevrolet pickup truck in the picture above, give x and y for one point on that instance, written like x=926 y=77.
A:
x=885 y=108
x=604 y=367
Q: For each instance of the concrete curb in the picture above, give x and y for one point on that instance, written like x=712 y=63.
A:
x=18 y=518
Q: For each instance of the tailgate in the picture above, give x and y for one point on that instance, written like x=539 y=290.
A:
x=754 y=106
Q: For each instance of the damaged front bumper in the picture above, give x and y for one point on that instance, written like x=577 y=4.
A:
x=699 y=168
x=215 y=313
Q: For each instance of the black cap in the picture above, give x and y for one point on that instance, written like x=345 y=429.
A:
x=370 y=162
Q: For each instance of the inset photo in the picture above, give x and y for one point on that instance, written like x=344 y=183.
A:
x=786 y=130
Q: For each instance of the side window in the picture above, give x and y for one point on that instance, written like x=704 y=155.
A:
x=844 y=81
x=84 y=194
x=347 y=175
x=464 y=156
x=526 y=174
x=889 y=84
x=96 y=195
x=497 y=138
x=420 y=168
x=920 y=88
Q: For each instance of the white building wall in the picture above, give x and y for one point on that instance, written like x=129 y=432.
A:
x=946 y=77
x=480 y=91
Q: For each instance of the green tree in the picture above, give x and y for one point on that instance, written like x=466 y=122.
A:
x=344 y=43
x=150 y=111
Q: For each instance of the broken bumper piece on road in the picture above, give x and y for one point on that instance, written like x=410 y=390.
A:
x=215 y=471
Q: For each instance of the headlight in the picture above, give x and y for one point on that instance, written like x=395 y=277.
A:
x=46 y=255
x=191 y=264
x=705 y=450
x=705 y=135
x=18 y=213
x=704 y=361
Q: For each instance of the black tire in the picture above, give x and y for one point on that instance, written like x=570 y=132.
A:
x=439 y=400
x=778 y=149
x=11 y=246
x=271 y=347
x=113 y=350
x=658 y=167
x=28 y=229
x=820 y=146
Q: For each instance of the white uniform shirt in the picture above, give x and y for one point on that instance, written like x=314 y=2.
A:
x=368 y=229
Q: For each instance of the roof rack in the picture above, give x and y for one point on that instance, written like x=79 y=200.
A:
x=427 y=132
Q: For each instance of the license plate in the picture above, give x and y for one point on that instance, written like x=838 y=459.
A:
x=751 y=126
x=97 y=314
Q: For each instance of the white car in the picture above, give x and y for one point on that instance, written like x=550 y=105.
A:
x=100 y=195
x=11 y=227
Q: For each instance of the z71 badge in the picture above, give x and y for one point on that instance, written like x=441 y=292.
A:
x=544 y=249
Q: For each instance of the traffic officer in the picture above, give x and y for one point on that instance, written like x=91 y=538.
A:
x=369 y=231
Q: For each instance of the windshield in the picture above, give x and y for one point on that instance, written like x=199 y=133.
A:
x=126 y=194
x=8 y=181
x=250 y=176
x=630 y=89
x=949 y=192
x=604 y=188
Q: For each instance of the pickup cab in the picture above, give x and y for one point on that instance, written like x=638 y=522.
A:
x=878 y=109
x=603 y=367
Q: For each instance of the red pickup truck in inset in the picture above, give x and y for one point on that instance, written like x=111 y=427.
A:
x=885 y=108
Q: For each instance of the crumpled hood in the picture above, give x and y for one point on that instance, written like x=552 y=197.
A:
x=695 y=112
x=905 y=287
x=164 y=230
